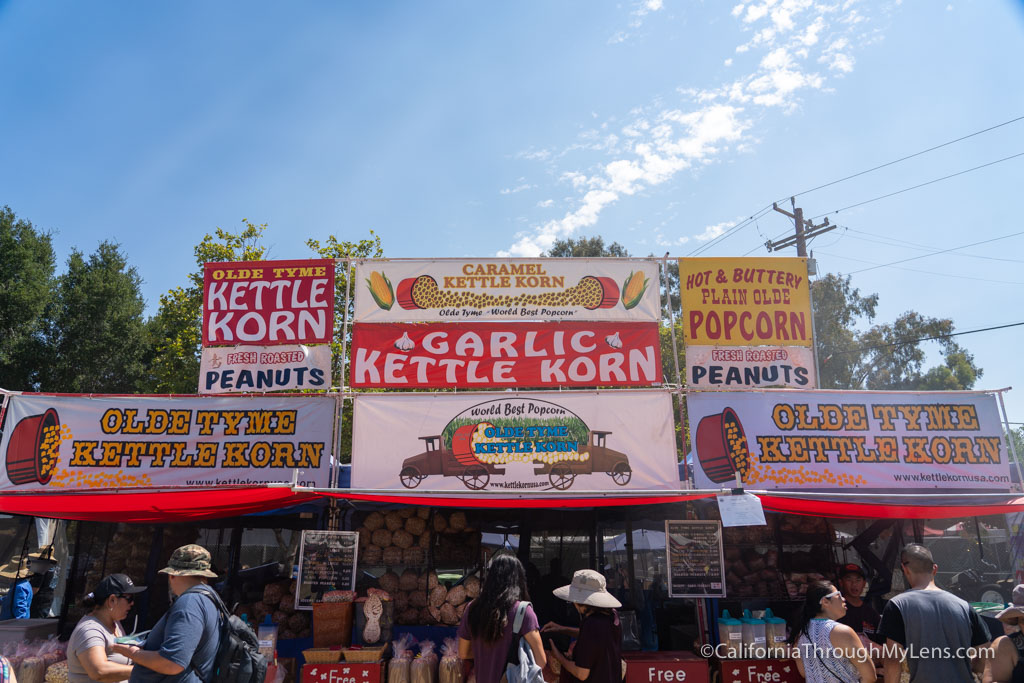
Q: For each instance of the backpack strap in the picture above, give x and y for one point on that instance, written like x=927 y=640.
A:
x=517 y=623
x=222 y=609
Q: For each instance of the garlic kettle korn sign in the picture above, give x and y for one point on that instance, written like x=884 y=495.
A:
x=259 y=320
x=499 y=441
x=496 y=354
x=747 y=323
x=70 y=442
x=474 y=290
x=789 y=440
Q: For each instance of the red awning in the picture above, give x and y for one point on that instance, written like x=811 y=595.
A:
x=487 y=500
x=904 y=507
x=160 y=506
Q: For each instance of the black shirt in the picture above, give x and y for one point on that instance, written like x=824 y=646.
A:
x=860 y=618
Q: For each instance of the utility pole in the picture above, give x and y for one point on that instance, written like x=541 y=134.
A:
x=801 y=235
x=799 y=238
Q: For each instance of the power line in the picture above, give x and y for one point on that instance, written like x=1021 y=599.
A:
x=914 y=258
x=911 y=156
x=915 y=187
x=925 y=272
x=893 y=242
x=924 y=339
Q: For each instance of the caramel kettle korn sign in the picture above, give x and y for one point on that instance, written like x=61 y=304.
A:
x=790 y=440
x=474 y=290
x=747 y=323
x=68 y=442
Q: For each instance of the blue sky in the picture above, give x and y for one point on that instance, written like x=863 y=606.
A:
x=457 y=128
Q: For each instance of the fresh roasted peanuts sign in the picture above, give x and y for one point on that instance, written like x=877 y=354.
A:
x=495 y=354
x=473 y=290
x=745 y=301
x=883 y=441
x=268 y=302
x=71 y=442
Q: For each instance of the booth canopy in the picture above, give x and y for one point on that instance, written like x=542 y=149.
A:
x=195 y=504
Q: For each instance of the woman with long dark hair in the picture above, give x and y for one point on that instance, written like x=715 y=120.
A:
x=486 y=632
x=827 y=651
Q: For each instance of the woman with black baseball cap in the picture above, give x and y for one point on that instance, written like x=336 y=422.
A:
x=109 y=603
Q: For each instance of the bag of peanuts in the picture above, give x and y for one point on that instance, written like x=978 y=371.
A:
x=401 y=660
x=424 y=667
x=450 y=667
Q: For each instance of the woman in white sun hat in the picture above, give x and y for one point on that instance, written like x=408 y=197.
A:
x=597 y=654
x=1007 y=666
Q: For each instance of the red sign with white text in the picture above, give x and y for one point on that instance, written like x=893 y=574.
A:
x=264 y=303
x=438 y=355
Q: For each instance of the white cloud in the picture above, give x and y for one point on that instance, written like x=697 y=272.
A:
x=545 y=203
x=791 y=37
x=517 y=188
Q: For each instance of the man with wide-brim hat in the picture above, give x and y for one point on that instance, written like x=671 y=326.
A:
x=26 y=575
x=597 y=654
x=183 y=645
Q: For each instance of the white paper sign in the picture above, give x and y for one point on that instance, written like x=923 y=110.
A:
x=741 y=510
x=749 y=367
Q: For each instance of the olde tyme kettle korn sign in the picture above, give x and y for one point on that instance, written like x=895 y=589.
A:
x=786 y=439
x=482 y=441
x=70 y=442
x=476 y=290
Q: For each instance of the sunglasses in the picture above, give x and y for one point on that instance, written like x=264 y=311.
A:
x=832 y=595
x=129 y=598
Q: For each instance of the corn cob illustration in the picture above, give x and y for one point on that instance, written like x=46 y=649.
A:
x=381 y=290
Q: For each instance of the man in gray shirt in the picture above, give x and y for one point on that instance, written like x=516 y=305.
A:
x=934 y=629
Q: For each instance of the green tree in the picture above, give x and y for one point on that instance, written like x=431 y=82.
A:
x=95 y=340
x=585 y=247
x=1017 y=437
x=176 y=329
x=334 y=248
x=26 y=283
x=885 y=355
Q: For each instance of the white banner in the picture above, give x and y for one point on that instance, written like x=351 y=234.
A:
x=854 y=440
x=237 y=369
x=500 y=442
x=540 y=289
x=69 y=442
x=749 y=367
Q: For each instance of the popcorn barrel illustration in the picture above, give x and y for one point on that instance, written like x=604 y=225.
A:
x=32 y=450
x=722 y=447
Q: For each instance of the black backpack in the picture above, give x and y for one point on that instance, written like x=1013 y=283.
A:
x=238 y=658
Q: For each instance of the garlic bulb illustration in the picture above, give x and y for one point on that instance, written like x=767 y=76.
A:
x=404 y=343
x=613 y=341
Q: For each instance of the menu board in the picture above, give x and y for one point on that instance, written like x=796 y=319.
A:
x=327 y=562
x=696 y=568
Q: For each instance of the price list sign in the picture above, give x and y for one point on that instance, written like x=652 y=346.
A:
x=327 y=562
x=696 y=568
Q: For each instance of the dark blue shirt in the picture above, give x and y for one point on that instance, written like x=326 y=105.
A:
x=189 y=635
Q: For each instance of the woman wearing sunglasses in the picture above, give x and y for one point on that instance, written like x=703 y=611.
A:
x=89 y=654
x=827 y=651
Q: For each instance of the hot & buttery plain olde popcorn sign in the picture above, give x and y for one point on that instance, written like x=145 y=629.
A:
x=785 y=439
x=70 y=442
x=526 y=442
x=474 y=290
x=747 y=323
